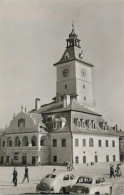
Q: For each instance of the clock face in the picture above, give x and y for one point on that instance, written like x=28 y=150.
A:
x=65 y=72
x=83 y=72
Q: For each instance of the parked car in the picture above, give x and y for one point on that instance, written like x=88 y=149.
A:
x=92 y=185
x=57 y=182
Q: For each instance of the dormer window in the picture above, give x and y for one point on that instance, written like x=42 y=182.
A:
x=66 y=56
x=75 y=121
x=88 y=123
x=21 y=123
x=54 y=125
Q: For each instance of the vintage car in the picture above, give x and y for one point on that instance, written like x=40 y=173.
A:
x=57 y=182
x=92 y=185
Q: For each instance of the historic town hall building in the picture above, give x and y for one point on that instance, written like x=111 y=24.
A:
x=67 y=129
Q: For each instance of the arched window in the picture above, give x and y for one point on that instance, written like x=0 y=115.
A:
x=25 y=141
x=21 y=122
x=91 y=144
x=34 y=141
x=9 y=142
x=17 y=141
x=43 y=141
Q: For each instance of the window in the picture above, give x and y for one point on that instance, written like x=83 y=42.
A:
x=34 y=141
x=54 y=142
x=100 y=143
x=107 y=158
x=60 y=124
x=76 y=160
x=63 y=142
x=66 y=177
x=7 y=159
x=25 y=141
x=9 y=142
x=3 y=144
x=94 y=126
x=83 y=124
x=76 y=142
x=75 y=121
x=43 y=141
x=83 y=86
x=62 y=97
x=84 y=159
x=84 y=142
x=21 y=122
x=84 y=98
x=17 y=141
x=54 y=158
x=65 y=86
x=91 y=144
x=72 y=177
x=54 y=125
x=15 y=157
x=106 y=143
x=79 y=123
x=113 y=143
x=114 y=158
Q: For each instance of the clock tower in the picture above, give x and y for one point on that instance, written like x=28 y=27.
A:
x=74 y=75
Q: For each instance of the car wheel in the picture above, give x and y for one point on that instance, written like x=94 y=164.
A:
x=97 y=193
x=62 y=191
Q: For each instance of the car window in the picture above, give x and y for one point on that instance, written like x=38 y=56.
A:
x=72 y=176
x=102 y=179
x=85 y=180
x=50 y=176
x=98 y=181
x=66 y=177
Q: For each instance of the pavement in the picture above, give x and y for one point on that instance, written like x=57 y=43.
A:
x=36 y=173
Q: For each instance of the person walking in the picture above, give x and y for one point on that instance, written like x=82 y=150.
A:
x=112 y=171
x=26 y=174
x=15 y=177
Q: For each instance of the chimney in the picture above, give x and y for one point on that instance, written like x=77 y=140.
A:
x=116 y=127
x=37 y=103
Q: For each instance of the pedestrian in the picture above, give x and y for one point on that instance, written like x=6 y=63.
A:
x=54 y=170
x=68 y=166
x=118 y=170
x=26 y=174
x=112 y=171
x=15 y=177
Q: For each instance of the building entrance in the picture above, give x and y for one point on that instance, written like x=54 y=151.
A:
x=2 y=160
x=33 y=160
x=24 y=160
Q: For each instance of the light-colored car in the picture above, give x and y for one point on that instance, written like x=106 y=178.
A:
x=57 y=182
x=92 y=185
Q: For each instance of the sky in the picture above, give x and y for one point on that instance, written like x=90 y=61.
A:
x=33 y=37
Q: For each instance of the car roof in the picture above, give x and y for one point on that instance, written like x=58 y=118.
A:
x=59 y=172
x=91 y=176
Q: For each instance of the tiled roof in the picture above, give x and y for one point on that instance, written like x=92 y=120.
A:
x=73 y=106
x=97 y=131
x=74 y=53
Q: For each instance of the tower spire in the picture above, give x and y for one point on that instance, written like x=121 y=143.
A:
x=72 y=25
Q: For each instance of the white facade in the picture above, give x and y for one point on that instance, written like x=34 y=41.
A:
x=95 y=153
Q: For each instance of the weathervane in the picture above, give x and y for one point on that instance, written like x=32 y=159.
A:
x=73 y=25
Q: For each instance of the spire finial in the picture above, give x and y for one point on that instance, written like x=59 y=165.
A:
x=72 y=25
x=21 y=108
